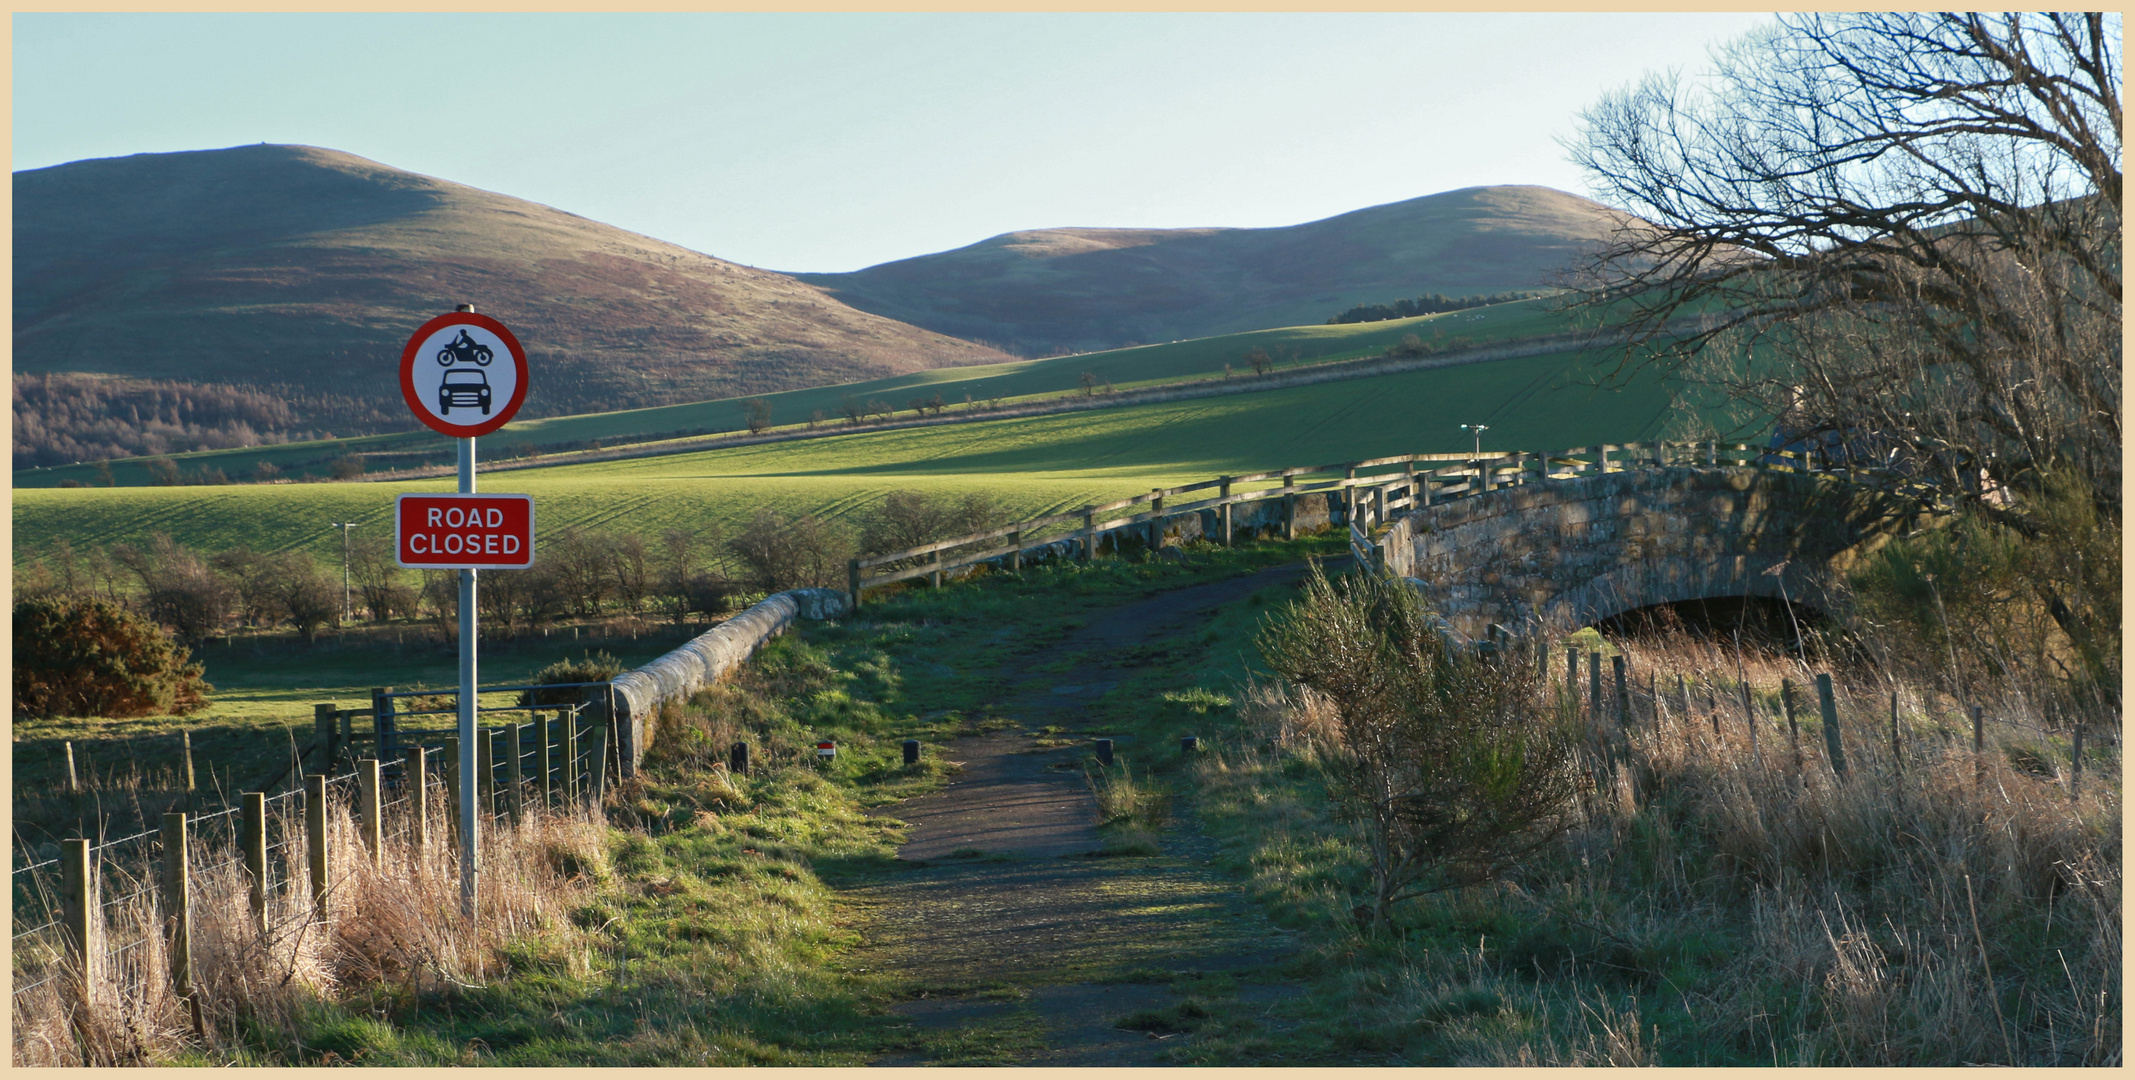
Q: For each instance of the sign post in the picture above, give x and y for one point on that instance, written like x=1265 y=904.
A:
x=464 y=360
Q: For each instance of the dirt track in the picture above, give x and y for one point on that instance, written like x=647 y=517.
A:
x=1006 y=919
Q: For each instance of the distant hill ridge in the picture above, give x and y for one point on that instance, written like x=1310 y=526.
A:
x=1043 y=291
x=304 y=267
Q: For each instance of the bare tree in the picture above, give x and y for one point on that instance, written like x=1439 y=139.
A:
x=756 y=413
x=1259 y=359
x=1900 y=234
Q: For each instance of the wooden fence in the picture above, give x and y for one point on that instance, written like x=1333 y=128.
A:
x=1368 y=493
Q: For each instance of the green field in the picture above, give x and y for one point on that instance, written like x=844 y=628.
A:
x=1036 y=464
x=1023 y=380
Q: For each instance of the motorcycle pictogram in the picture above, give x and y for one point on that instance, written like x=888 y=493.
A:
x=465 y=349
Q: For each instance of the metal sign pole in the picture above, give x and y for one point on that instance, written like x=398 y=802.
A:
x=468 y=624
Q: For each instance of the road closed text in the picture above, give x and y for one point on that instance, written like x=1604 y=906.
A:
x=465 y=532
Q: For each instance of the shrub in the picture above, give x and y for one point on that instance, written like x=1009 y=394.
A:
x=181 y=590
x=1453 y=763
x=801 y=552
x=592 y=667
x=81 y=656
x=907 y=519
x=346 y=468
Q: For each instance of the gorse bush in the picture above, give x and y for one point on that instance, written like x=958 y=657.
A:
x=80 y=656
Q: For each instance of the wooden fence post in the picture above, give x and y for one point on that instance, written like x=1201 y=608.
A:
x=373 y=813
x=1623 y=694
x=1089 y=532
x=1829 y=704
x=1156 y=519
x=485 y=769
x=185 y=746
x=77 y=907
x=1749 y=716
x=74 y=784
x=1682 y=687
x=448 y=759
x=177 y=904
x=322 y=726
x=1979 y=732
x=514 y=797
x=852 y=581
x=544 y=762
x=738 y=759
x=315 y=839
x=255 y=843
x=1786 y=703
x=1712 y=705
x=1015 y=558
x=934 y=578
x=1223 y=512
x=1593 y=687
x=416 y=781
x=570 y=756
x=382 y=724
x=1289 y=507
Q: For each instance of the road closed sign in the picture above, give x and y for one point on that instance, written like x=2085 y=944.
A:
x=463 y=374
x=464 y=532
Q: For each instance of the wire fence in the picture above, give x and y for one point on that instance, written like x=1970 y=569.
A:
x=127 y=889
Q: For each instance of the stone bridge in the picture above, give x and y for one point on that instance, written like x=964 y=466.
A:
x=1553 y=555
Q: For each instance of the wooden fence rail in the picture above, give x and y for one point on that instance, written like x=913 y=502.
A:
x=1364 y=501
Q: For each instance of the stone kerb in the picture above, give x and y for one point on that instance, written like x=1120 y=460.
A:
x=707 y=658
x=1564 y=553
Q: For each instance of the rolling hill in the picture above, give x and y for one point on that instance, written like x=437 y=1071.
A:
x=298 y=272
x=1065 y=290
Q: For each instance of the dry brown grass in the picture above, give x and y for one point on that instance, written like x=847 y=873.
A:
x=1931 y=907
x=396 y=925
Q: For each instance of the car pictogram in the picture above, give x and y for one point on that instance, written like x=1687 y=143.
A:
x=463 y=386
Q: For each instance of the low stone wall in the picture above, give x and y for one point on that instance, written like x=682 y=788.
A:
x=705 y=659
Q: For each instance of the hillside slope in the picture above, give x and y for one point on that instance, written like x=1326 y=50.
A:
x=1061 y=290
x=306 y=268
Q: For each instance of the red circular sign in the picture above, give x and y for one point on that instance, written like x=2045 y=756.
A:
x=465 y=365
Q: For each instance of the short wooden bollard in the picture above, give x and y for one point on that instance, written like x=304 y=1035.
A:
x=1623 y=693
x=1571 y=674
x=1682 y=687
x=514 y=775
x=1015 y=554
x=911 y=751
x=1089 y=533
x=852 y=581
x=1712 y=707
x=78 y=906
x=544 y=761
x=373 y=823
x=255 y=843
x=416 y=781
x=1104 y=751
x=177 y=905
x=74 y=784
x=315 y=839
x=737 y=759
x=1832 y=744
x=1188 y=744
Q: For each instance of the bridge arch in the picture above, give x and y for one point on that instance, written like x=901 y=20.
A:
x=1553 y=555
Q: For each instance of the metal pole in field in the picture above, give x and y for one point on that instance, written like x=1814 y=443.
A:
x=469 y=623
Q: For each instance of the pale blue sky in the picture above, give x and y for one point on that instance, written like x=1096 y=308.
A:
x=832 y=142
